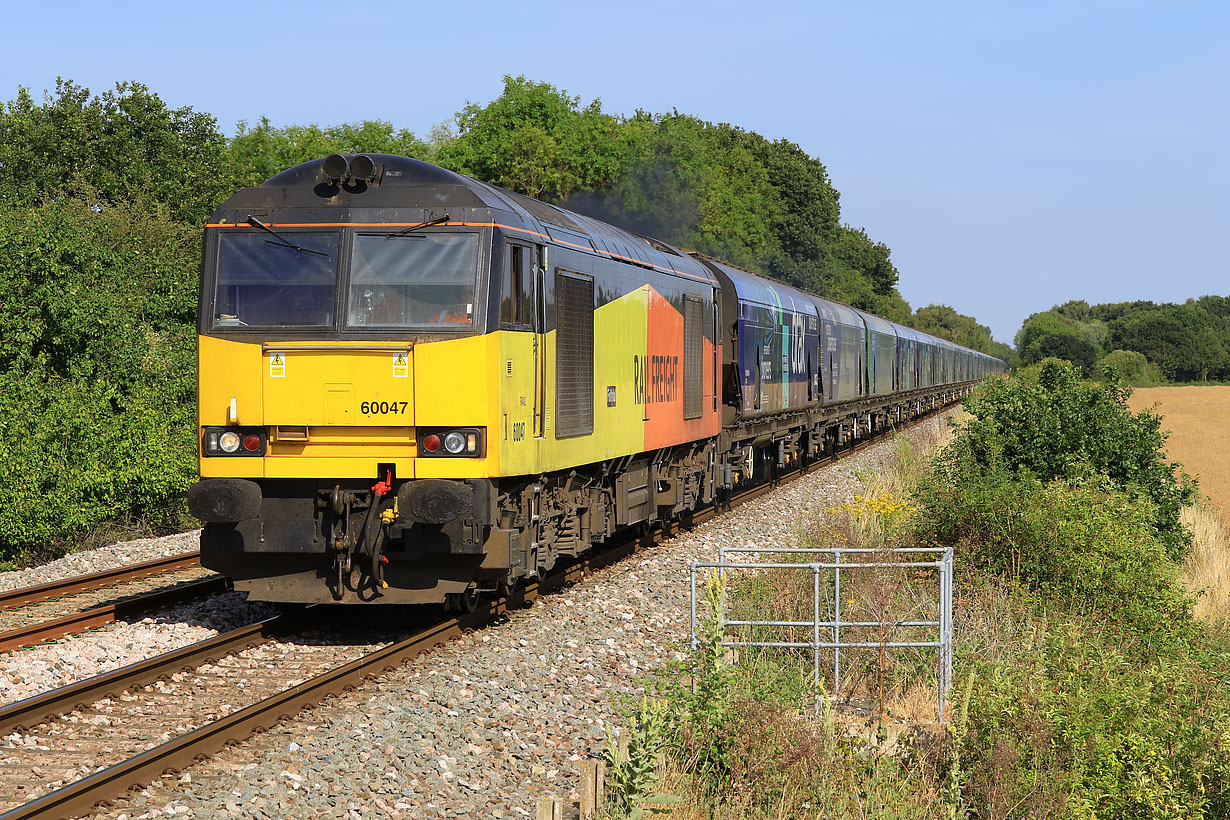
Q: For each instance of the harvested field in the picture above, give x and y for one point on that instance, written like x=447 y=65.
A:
x=1199 y=434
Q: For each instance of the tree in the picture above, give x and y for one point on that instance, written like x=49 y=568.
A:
x=693 y=184
x=806 y=216
x=256 y=154
x=1186 y=343
x=945 y=322
x=536 y=140
x=122 y=146
x=1050 y=335
x=1130 y=368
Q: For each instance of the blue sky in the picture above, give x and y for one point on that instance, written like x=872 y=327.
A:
x=1012 y=155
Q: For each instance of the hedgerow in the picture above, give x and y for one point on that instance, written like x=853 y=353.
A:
x=97 y=370
x=1050 y=423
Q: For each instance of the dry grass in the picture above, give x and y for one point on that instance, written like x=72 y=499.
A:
x=1199 y=434
x=916 y=704
x=1200 y=438
x=913 y=452
x=1207 y=569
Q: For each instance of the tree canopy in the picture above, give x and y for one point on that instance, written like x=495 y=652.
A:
x=535 y=140
x=124 y=145
x=1187 y=342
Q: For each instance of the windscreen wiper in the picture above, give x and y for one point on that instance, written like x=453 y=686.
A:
x=426 y=224
x=283 y=241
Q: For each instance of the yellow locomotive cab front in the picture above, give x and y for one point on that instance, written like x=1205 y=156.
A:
x=342 y=409
x=344 y=405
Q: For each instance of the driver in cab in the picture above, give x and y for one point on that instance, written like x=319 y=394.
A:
x=460 y=312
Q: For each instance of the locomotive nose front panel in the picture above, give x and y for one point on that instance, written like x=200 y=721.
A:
x=338 y=386
x=349 y=402
x=332 y=408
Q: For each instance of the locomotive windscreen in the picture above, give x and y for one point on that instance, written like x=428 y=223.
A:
x=414 y=279
x=267 y=283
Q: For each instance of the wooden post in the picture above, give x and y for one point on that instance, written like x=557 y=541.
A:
x=550 y=808
x=593 y=773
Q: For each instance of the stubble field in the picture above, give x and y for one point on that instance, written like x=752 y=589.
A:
x=1199 y=434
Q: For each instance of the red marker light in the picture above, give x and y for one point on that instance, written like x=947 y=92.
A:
x=251 y=442
x=431 y=442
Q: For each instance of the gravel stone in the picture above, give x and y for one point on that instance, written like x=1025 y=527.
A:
x=35 y=669
x=107 y=557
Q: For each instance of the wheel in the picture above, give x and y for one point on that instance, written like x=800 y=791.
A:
x=462 y=602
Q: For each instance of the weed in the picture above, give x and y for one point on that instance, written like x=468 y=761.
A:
x=633 y=760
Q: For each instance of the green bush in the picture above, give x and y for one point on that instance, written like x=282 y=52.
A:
x=97 y=370
x=1083 y=545
x=1130 y=368
x=1076 y=726
x=1052 y=424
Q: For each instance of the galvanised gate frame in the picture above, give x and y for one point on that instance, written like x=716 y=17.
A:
x=943 y=564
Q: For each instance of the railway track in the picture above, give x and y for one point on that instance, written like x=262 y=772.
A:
x=74 y=747
x=31 y=615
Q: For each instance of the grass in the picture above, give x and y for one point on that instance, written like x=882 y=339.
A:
x=912 y=454
x=1199 y=435
x=1206 y=570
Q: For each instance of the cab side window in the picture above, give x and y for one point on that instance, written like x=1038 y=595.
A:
x=517 y=292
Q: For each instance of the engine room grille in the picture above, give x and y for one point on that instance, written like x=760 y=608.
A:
x=574 y=355
x=693 y=403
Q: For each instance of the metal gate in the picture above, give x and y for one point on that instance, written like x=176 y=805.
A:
x=826 y=627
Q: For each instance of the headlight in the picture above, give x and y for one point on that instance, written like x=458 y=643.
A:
x=454 y=442
x=237 y=441
x=466 y=442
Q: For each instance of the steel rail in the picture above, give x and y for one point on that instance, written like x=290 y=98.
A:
x=37 y=709
x=97 y=580
x=108 y=613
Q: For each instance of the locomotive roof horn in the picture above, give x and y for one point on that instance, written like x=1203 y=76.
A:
x=336 y=168
x=362 y=168
x=358 y=169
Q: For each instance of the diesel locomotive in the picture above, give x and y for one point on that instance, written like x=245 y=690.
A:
x=415 y=386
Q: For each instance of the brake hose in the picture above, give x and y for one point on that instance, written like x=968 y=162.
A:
x=379 y=490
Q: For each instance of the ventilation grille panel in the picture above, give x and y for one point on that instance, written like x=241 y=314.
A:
x=693 y=345
x=574 y=355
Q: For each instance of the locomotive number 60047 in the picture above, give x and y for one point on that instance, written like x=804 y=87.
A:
x=382 y=408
